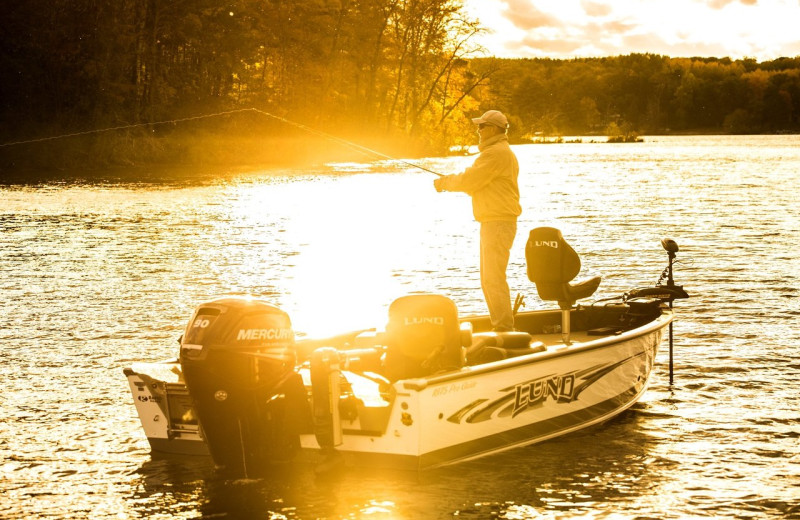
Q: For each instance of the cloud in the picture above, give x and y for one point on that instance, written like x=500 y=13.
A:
x=595 y=9
x=547 y=46
x=657 y=45
x=583 y=28
x=524 y=15
x=719 y=4
x=616 y=27
x=575 y=28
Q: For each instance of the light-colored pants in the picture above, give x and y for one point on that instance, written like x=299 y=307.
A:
x=496 y=240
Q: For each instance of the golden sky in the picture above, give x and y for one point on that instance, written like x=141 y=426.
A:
x=761 y=29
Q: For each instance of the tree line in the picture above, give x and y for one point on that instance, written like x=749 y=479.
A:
x=648 y=94
x=396 y=66
x=406 y=70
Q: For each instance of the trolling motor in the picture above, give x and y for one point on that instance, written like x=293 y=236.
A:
x=665 y=293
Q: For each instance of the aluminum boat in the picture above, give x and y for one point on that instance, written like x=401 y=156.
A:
x=428 y=389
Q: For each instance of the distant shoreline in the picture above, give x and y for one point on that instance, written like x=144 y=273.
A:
x=211 y=157
x=135 y=156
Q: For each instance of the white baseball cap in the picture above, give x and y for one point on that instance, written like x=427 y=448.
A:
x=492 y=117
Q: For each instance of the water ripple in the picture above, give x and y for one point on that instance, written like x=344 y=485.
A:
x=99 y=276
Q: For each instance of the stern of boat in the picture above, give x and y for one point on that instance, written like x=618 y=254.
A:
x=165 y=408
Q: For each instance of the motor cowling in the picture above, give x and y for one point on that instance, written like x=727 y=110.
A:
x=238 y=361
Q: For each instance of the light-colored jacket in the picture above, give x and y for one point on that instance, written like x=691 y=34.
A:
x=491 y=181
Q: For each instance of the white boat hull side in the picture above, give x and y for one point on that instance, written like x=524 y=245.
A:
x=543 y=401
x=515 y=402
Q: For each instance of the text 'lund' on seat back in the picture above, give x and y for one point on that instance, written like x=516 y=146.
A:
x=423 y=336
x=552 y=264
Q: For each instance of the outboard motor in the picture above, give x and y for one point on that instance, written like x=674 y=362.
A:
x=238 y=361
x=423 y=337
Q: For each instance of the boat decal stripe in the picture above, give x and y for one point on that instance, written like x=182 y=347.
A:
x=531 y=433
x=564 y=388
x=456 y=417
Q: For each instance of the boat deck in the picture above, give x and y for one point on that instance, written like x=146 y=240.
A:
x=555 y=340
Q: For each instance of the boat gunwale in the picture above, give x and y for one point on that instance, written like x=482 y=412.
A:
x=419 y=384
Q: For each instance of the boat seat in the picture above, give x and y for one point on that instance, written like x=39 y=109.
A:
x=552 y=265
x=494 y=346
x=509 y=339
x=424 y=337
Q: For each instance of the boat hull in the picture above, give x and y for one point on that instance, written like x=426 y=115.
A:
x=455 y=416
x=486 y=409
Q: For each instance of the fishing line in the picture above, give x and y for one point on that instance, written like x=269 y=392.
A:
x=123 y=127
x=344 y=142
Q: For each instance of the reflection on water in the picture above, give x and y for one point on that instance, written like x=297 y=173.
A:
x=96 y=276
x=565 y=475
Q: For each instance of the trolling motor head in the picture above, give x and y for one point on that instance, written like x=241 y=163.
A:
x=670 y=246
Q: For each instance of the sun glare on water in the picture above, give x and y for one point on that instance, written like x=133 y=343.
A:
x=340 y=244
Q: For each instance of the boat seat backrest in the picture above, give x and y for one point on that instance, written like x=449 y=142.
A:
x=423 y=336
x=553 y=264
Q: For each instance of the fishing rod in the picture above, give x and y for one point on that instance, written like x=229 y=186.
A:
x=354 y=146
x=345 y=142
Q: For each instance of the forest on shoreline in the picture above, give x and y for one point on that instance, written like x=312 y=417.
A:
x=196 y=82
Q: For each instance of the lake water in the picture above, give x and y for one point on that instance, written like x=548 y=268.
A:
x=97 y=275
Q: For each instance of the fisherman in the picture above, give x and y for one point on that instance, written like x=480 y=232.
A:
x=491 y=181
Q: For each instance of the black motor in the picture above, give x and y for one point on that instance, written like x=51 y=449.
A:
x=238 y=361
